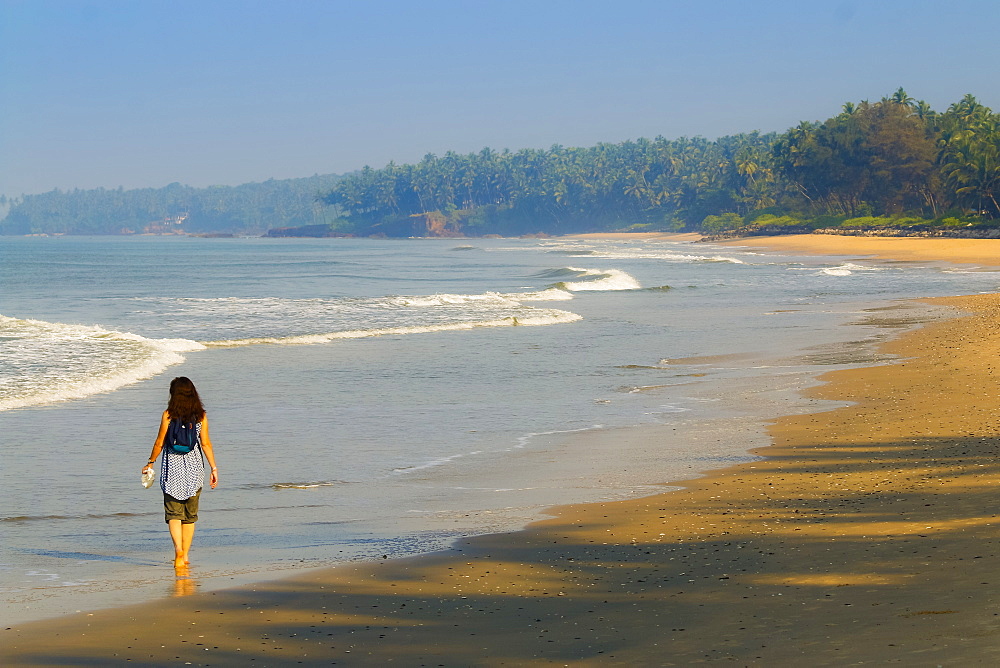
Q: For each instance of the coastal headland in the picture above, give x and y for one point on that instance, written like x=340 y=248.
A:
x=869 y=534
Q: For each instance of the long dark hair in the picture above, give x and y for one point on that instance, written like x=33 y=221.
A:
x=185 y=404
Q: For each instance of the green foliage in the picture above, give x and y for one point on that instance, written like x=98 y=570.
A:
x=824 y=221
x=663 y=184
x=894 y=163
x=900 y=222
x=871 y=157
x=882 y=162
x=252 y=208
x=770 y=220
x=725 y=222
x=672 y=224
x=893 y=158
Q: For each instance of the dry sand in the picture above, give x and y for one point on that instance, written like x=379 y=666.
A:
x=984 y=252
x=870 y=535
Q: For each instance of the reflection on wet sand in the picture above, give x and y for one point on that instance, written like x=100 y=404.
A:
x=184 y=584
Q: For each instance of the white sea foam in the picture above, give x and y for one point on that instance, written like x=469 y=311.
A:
x=666 y=256
x=498 y=299
x=303 y=485
x=536 y=319
x=270 y=318
x=601 y=280
x=646 y=251
x=490 y=298
x=434 y=463
x=524 y=441
x=551 y=294
x=45 y=362
x=847 y=269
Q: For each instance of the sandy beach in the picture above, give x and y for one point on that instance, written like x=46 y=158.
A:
x=870 y=534
x=982 y=252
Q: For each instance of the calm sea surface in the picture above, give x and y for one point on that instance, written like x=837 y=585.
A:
x=373 y=398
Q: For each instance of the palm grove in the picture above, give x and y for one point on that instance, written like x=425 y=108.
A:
x=892 y=163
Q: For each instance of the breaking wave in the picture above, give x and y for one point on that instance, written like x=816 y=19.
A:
x=551 y=317
x=846 y=269
x=591 y=279
x=43 y=362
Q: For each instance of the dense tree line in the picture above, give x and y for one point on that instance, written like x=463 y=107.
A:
x=251 y=208
x=894 y=163
x=895 y=156
x=656 y=182
x=880 y=161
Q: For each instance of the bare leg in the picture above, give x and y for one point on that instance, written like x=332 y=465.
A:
x=177 y=536
x=187 y=535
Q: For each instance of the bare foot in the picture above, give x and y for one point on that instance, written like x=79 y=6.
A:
x=180 y=561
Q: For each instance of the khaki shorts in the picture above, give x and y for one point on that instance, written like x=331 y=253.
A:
x=186 y=511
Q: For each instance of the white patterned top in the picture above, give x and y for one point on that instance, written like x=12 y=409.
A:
x=181 y=476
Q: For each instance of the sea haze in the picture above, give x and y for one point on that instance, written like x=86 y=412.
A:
x=380 y=398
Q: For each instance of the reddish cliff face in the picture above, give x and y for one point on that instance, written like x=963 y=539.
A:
x=439 y=226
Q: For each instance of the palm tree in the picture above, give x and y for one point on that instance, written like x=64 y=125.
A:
x=972 y=169
x=924 y=111
x=900 y=97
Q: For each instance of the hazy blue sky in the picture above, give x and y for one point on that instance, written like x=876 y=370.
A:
x=145 y=92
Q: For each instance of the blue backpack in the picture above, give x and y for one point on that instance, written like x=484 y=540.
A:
x=182 y=437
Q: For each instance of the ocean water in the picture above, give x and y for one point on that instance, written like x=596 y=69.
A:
x=373 y=399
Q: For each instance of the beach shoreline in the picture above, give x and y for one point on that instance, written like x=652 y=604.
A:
x=864 y=535
x=980 y=252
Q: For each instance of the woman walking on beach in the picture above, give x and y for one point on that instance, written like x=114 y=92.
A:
x=182 y=475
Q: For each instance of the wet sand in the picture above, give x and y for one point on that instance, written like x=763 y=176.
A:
x=870 y=534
